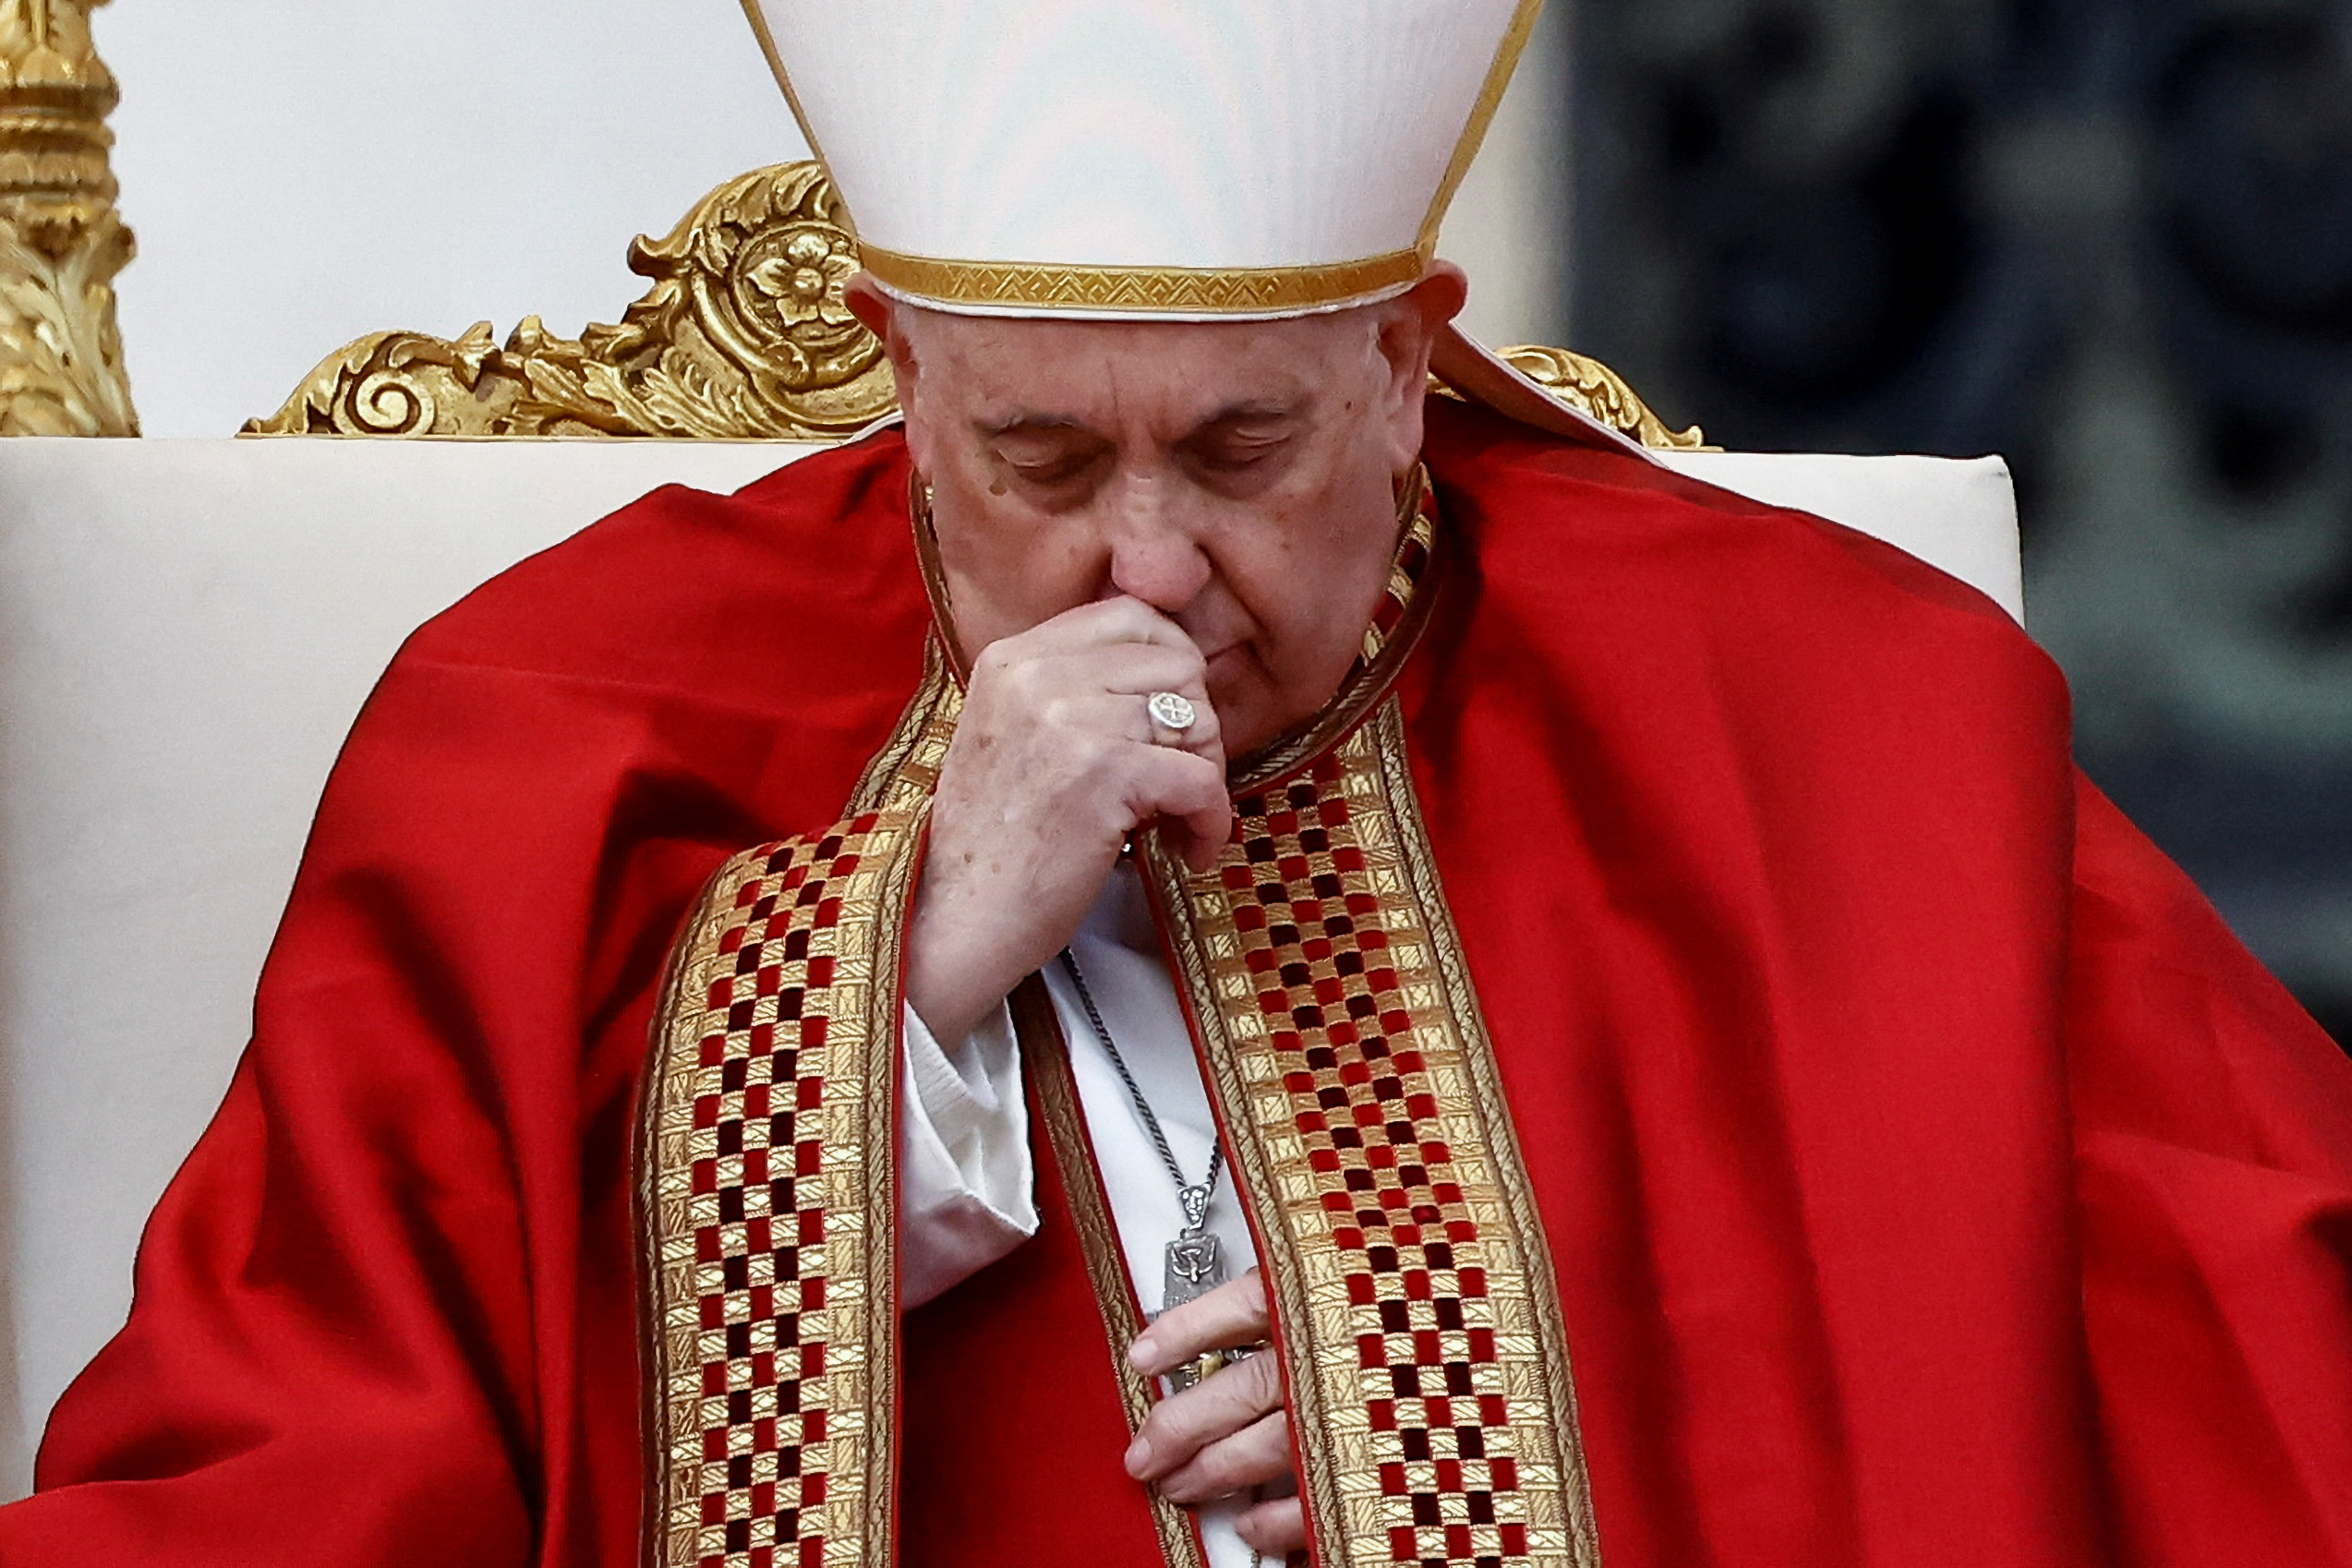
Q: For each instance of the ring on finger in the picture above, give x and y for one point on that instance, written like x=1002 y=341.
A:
x=1172 y=713
x=1206 y=1365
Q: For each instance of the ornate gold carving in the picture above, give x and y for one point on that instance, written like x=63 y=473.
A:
x=743 y=336
x=1588 y=385
x=61 y=243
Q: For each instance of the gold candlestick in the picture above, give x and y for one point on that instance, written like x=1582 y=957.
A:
x=61 y=243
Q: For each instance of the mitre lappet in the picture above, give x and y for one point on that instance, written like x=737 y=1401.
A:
x=1111 y=160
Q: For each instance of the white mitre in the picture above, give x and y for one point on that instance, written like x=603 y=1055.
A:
x=1168 y=160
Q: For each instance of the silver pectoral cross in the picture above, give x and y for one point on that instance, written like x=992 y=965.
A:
x=1195 y=1265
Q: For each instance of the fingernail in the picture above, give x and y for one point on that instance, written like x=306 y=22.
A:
x=1139 y=1455
x=1144 y=1352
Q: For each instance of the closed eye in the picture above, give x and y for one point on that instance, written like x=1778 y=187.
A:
x=1045 y=455
x=1235 y=460
x=1051 y=471
x=1239 y=447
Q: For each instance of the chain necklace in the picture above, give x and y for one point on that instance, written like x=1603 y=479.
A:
x=1195 y=1264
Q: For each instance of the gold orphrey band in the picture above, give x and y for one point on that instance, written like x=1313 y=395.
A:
x=1417 y=1314
x=1419 y=1320
x=768 y=1197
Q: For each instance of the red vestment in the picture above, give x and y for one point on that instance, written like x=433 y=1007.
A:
x=1928 y=1175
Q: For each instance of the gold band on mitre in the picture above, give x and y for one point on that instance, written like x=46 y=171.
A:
x=1054 y=288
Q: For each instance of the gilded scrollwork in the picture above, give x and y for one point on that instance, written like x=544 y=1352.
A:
x=1587 y=384
x=744 y=335
x=61 y=242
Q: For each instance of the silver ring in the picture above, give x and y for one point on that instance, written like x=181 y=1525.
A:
x=1172 y=710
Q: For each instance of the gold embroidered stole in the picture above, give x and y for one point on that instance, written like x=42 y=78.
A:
x=1416 y=1313
x=1420 y=1327
x=767 y=1187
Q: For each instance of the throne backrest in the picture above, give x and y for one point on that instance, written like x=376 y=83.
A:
x=743 y=336
x=188 y=627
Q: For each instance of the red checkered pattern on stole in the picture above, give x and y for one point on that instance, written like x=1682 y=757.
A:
x=760 y=1231
x=1361 y=1100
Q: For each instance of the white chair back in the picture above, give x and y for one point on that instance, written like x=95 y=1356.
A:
x=187 y=629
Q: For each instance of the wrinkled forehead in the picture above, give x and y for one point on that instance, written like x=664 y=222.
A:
x=999 y=367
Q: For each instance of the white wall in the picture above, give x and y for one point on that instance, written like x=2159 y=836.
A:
x=301 y=172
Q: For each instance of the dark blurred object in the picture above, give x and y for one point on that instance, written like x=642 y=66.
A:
x=2111 y=240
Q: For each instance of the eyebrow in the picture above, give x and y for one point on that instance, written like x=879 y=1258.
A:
x=1231 y=413
x=991 y=429
x=1242 y=412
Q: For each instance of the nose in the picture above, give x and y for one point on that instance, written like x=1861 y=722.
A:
x=1155 y=553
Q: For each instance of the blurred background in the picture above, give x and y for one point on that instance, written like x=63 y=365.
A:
x=2111 y=239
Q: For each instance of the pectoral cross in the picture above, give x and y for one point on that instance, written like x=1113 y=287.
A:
x=1195 y=1265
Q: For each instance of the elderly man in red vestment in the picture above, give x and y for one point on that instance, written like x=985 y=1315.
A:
x=1517 y=899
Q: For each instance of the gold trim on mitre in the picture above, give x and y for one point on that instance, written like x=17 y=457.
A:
x=1482 y=113
x=1081 y=289
x=1023 y=287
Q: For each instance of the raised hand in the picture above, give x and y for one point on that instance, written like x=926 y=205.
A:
x=1055 y=761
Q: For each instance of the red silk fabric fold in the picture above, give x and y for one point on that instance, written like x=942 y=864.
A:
x=1929 y=1177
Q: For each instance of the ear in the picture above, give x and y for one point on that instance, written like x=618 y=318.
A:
x=1408 y=328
